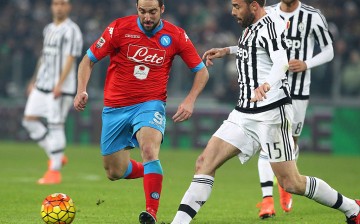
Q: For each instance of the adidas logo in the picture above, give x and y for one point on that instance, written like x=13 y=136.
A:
x=201 y=203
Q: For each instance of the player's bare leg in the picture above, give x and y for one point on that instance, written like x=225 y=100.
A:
x=150 y=140
x=216 y=153
x=314 y=188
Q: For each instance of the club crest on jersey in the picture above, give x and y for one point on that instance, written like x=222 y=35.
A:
x=100 y=42
x=146 y=55
x=165 y=40
x=301 y=27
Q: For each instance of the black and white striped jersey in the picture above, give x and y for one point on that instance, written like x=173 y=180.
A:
x=60 y=41
x=306 y=26
x=255 y=47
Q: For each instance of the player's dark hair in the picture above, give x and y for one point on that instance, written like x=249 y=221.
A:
x=161 y=2
x=260 y=2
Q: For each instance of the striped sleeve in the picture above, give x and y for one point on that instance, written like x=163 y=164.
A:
x=274 y=40
x=73 y=41
x=320 y=30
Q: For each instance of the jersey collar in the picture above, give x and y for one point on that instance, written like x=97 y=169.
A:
x=150 y=33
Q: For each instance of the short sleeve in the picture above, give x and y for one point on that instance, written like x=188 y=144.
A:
x=189 y=54
x=102 y=46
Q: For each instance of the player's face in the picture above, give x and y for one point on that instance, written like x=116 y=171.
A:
x=241 y=11
x=60 y=9
x=149 y=13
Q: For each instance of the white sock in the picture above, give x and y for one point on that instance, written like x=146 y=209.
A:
x=321 y=192
x=56 y=145
x=266 y=176
x=196 y=196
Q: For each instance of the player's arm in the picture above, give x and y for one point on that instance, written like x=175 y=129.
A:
x=97 y=51
x=218 y=53
x=186 y=108
x=277 y=72
x=64 y=74
x=84 y=72
x=323 y=37
x=32 y=81
x=326 y=55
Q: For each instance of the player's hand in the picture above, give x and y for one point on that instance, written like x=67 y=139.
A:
x=214 y=53
x=80 y=101
x=297 y=65
x=183 y=112
x=57 y=91
x=260 y=92
x=29 y=88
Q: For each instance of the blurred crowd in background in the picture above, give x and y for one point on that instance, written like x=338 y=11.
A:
x=208 y=23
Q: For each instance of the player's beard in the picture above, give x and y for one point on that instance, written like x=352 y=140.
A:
x=151 y=28
x=248 y=19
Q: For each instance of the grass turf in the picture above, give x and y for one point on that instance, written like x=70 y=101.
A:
x=98 y=200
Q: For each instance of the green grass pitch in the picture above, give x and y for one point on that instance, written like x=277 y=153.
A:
x=98 y=200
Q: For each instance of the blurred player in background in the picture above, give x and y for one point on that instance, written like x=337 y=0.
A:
x=306 y=26
x=262 y=118
x=141 y=50
x=53 y=87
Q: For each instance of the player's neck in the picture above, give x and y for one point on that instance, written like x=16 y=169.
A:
x=58 y=21
x=289 y=7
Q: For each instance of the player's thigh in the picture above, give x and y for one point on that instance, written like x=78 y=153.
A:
x=215 y=154
x=275 y=134
x=36 y=105
x=116 y=131
x=149 y=140
x=58 y=108
x=299 y=109
x=151 y=115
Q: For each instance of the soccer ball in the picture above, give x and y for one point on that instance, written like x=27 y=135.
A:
x=58 y=208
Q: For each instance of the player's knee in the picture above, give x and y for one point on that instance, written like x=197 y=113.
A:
x=115 y=173
x=35 y=128
x=148 y=152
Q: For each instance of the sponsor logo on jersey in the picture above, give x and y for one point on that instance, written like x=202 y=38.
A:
x=100 y=42
x=141 y=72
x=186 y=37
x=242 y=53
x=111 y=30
x=146 y=55
x=165 y=40
x=293 y=43
x=132 y=36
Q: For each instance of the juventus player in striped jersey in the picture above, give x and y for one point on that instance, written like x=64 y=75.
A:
x=306 y=26
x=262 y=118
x=53 y=87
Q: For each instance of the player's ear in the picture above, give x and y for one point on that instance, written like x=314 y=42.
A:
x=163 y=9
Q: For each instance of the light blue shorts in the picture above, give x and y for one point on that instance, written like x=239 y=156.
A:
x=119 y=125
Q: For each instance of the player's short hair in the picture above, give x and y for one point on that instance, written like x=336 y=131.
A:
x=161 y=2
x=260 y=2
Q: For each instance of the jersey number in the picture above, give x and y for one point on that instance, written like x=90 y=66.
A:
x=274 y=150
x=298 y=128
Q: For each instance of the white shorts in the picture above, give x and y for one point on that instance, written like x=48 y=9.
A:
x=269 y=131
x=41 y=104
x=299 y=107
